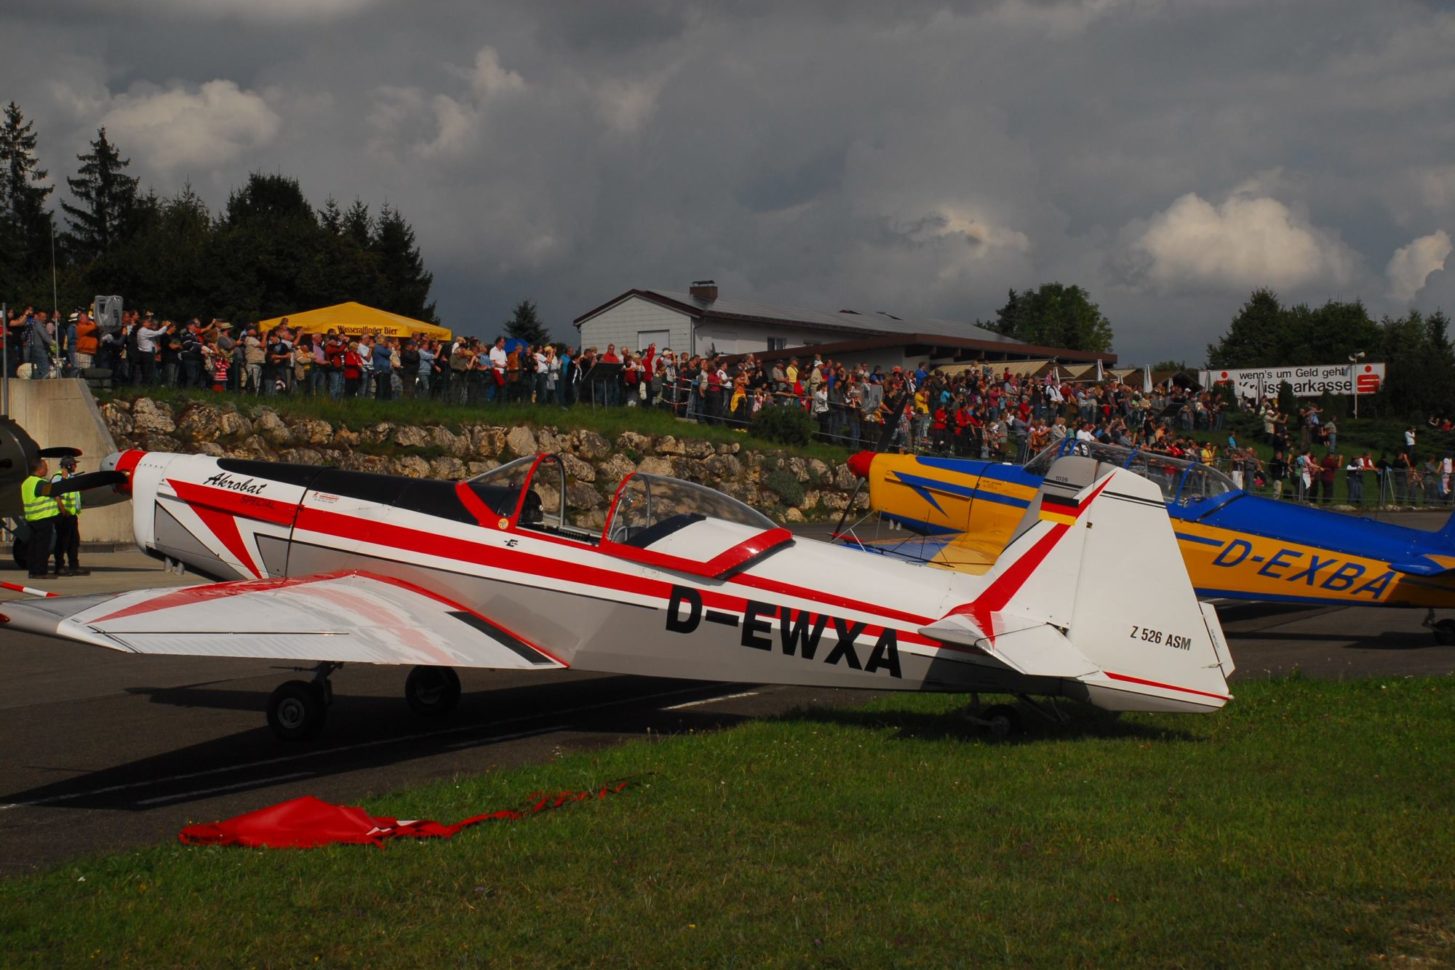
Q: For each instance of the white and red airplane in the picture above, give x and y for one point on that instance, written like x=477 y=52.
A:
x=1090 y=601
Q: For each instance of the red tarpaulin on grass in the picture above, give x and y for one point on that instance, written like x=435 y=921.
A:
x=303 y=823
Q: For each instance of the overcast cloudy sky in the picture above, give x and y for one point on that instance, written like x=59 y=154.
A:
x=920 y=158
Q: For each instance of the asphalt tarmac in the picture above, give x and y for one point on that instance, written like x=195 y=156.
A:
x=106 y=751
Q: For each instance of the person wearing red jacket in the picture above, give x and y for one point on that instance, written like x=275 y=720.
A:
x=940 y=429
x=353 y=371
x=963 y=422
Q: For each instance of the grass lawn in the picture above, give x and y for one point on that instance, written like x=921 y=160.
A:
x=1308 y=824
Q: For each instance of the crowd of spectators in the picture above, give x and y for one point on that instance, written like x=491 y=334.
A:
x=984 y=410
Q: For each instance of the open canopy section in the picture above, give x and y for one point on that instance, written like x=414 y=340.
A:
x=684 y=526
x=355 y=319
x=1182 y=482
x=656 y=521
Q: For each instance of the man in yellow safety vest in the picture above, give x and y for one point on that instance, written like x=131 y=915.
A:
x=68 y=525
x=41 y=509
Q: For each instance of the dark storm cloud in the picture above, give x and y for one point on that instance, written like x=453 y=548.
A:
x=921 y=158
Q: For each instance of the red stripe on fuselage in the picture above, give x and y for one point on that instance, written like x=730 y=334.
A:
x=235 y=503
x=403 y=538
x=220 y=508
x=1152 y=683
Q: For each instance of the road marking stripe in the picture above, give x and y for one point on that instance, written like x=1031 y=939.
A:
x=711 y=700
x=495 y=739
x=259 y=783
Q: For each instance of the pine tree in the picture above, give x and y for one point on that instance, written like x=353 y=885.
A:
x=107 y=199
x=358 y=225
x=27 y=226
x=526 y=324
x=330 y=217
x=403 y=281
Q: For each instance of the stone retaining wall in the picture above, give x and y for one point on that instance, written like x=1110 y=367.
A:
x=786 y=486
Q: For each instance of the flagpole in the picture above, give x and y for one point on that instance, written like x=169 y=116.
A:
x=55 y=303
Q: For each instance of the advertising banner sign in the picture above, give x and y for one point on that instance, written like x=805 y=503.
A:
x=1259 y=382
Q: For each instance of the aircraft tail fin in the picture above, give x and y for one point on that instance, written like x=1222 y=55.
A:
x=1095 y=592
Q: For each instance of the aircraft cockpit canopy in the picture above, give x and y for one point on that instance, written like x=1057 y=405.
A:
x=651 y=507
x=649 y=511
x=1183 y=482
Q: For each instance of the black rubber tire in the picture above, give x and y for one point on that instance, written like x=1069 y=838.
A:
x=20 y=552
x=1002 y=721
x=1445 y=632
x=296 y=710
x=432 y=691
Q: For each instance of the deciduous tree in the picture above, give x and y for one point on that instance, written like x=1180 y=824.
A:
x=1055 y=315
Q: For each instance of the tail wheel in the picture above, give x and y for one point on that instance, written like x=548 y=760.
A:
x=432 y=691
x=1002 y=721
x=296 y=710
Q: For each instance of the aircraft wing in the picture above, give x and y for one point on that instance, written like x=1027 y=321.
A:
x=348 y=617
x=961 y=553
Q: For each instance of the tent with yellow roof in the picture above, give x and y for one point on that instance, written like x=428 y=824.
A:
x=356 y=319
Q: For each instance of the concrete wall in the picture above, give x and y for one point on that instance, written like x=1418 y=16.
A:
x=63 y=412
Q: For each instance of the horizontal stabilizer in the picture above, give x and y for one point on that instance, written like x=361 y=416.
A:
x=1035 y=649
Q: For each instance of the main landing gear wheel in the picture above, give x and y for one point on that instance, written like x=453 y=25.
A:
x=296 y=710
x=1444 y=630
x=432 y=691
x=1002 y=721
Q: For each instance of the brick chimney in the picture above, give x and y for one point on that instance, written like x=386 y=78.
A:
x=704 y=291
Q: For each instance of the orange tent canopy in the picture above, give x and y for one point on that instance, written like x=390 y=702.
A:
x=355 y=318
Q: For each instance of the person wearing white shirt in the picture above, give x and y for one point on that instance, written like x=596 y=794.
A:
x=148 y=332
x=495 y=390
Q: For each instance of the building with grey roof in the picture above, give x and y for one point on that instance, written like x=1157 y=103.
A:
x=701 y=321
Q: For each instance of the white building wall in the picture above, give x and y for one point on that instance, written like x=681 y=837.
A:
x=749 y=338
x=621 y=324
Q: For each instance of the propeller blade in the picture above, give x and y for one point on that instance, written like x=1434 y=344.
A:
x=80 y=483
x=59 y=451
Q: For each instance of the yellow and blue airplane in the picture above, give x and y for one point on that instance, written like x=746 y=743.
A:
x=1235 y=545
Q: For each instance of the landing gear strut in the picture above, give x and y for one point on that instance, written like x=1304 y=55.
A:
x=298 y=708
x=1444 y=629
x=432 y=691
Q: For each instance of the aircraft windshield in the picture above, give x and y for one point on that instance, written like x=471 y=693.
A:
x=499 y=488
x=1183 y=482
x=651 y=507
x=553 y=500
